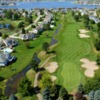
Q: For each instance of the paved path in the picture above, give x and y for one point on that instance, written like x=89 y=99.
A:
x=36 y=78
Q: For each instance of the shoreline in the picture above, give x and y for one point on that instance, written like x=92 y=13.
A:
x=87 y=4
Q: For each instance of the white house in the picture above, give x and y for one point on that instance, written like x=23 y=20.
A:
x=5 y=58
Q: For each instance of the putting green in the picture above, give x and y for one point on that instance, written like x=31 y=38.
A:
x=71 y=75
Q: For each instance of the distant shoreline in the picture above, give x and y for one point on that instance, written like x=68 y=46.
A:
x=86 y=3
x=9 y=4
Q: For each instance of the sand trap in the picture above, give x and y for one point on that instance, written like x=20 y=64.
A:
x=52 y=67
x=53 y=78
x=84 y=36
x=83 y=31
x=90 y=67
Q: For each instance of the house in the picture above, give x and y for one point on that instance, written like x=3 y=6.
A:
x=94 y=18
x=39 y=28
x=27 y=36
x=23 y=36
x=35 y=31
x=2 y=14
x=11 y=42
x=83 y=12
x=6 y=58
x=1 y=42
x=51 y=26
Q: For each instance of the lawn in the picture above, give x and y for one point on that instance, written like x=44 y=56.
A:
x=70 y=50
x=23 y=55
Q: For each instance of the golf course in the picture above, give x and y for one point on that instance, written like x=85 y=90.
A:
x=70 y=49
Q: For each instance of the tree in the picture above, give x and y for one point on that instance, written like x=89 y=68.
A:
x=92 y=21
x=93 y=83
x=35 y=62
x=63 y=94
x=45 y=81
x=11 y=27
x=98 y=12
x=97 y=44
x=21 y=24
x=29 y=20
x=79 y=96
x=53 y=91
x=45 y=46
x=3 y=97
x=46 y=94
x=76 y=17
x=97 y=95
x=80 y=88
x=13 y=97
x=73 y=13
x=33 y=26
x=98 y=60
x=98 y=25
x=47 y=26
x=91 y=95
x=86 y=17
x=0 y=34
x=23 y=31
x=34 y=65
x=24 y=87
x=16 y=16
x=4 y=36
x=27 y=43
x=9 y=14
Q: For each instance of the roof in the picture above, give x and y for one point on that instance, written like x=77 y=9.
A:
x=3 y=56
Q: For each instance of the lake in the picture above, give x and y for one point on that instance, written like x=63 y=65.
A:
x=31 y=5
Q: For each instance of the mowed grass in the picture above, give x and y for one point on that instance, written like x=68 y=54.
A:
x=24 y=56
x=70 y=50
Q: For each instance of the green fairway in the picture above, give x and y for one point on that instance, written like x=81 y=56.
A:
x=72 y=71
x=69 y=52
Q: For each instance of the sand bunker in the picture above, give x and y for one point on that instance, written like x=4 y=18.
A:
x=84 y=36
x=82 y=33
x=52 y=67
x=90 y=67
x=53 y=78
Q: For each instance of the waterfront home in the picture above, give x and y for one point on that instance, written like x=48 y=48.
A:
x=10 y=42
x=6 y=58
